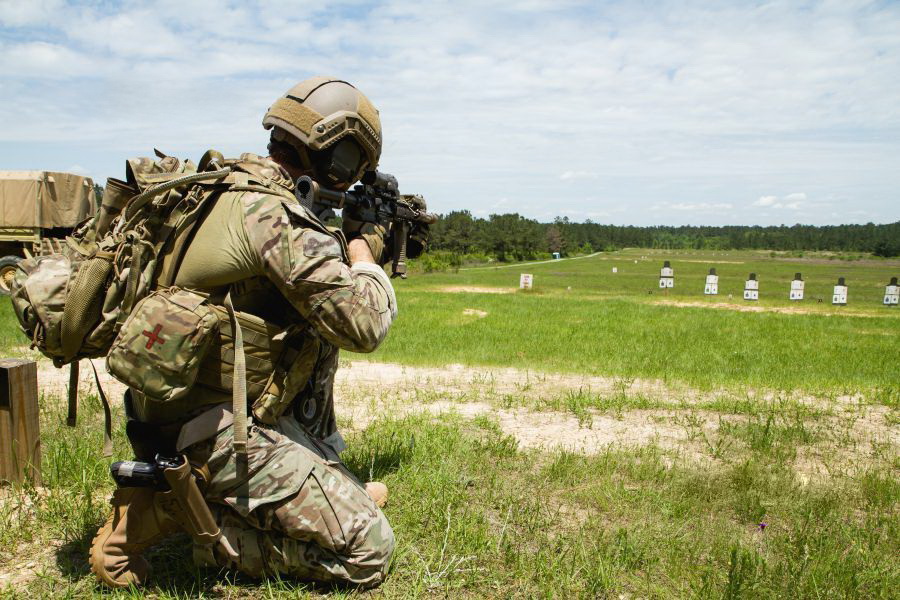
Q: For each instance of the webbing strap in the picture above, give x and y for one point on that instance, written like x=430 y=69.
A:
x=107 y=415
x=136 y=203
x=239 y=385
x=134 y=279
x=72 y=418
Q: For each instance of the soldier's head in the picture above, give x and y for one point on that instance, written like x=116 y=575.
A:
x=325 y=128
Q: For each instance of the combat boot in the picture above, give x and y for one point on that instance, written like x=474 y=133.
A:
x=140 y=518
x=378 y=492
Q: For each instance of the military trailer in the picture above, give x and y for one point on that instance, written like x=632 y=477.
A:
x=38 y=209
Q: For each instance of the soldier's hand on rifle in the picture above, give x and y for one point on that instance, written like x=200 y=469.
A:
x=418 y=232
x=373 y=234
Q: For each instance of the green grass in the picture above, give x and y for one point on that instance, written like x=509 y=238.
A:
x=477 y=517
x=608 y=324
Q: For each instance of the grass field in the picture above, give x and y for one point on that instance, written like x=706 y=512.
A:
x=602 y=442
x=583 y=318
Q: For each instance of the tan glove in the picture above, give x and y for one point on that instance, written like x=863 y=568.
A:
x=373 y=233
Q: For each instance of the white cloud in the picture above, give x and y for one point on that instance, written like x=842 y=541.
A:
x=573 y=175
x=18 y=13
x=682 y=106
x=792 y=201
x=700 y=206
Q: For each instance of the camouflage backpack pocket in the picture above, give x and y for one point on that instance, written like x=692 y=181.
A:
x=162 y=342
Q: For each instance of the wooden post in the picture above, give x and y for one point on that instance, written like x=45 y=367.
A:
x=20 y=440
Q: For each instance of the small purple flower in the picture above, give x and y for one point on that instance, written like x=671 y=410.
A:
x=762 y=526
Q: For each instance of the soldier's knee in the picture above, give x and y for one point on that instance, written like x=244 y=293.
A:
x=369 y=556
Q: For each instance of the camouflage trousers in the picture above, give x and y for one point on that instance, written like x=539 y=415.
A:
x=292 y=509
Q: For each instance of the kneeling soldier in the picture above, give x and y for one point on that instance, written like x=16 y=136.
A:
x=284 y=293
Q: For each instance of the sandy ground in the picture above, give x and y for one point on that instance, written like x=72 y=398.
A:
x=712 y=262
x=366 y=390
x=473 y=289
x=790 y=310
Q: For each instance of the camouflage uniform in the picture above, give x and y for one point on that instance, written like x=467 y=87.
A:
x=295 y=510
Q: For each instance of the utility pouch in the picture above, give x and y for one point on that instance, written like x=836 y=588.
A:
x=162 y=342
x=290 y=378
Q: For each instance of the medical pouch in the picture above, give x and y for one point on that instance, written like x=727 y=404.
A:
x=162 y=342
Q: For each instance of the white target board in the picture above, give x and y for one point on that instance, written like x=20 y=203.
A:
x=666 y=277
x=892 y=295
x=712 y=285
x=797 y=286
x=526 y=281
x=751 y=289
x=840 y=295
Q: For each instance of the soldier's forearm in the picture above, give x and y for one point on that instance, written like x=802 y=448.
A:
x=359 y=251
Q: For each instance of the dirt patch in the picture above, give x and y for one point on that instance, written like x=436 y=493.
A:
x=472 y=383
x=678 y=423
x=757 y=308
x=474 y=312
x=473 y=289
x=55 y=382
x=554 y=430
x=676 y=417
x=712 y=262
x=39 y=562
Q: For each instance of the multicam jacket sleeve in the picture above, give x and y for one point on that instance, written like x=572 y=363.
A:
x=351 y=307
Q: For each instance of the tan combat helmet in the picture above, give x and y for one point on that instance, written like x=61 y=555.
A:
x=320 y=113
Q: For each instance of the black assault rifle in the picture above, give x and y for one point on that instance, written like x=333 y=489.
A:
x=375 y=200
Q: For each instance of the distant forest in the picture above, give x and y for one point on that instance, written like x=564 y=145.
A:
x=513 y=237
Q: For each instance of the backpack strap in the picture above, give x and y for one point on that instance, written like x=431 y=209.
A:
x=107 y=414
x=238 y=386
x=182 y=225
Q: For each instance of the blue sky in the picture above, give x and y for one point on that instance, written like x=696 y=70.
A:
x=641 y=113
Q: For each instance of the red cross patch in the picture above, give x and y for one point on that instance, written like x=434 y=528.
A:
x=153 y=337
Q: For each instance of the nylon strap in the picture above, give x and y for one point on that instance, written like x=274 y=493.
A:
x=136 y=203
x=134 y=278
x=239 y=385
x=107 y=415
x=72 y=419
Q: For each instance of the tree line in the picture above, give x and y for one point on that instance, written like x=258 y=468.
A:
x=514 y=237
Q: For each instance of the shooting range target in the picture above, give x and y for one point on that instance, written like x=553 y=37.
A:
x=892 y=293
x=666 y=276
x=712 y=283
x=839 y=297
x=525 y=281
x=751 y=288
x=797 y=286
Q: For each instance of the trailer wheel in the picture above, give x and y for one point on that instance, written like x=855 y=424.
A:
x=7 y=272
